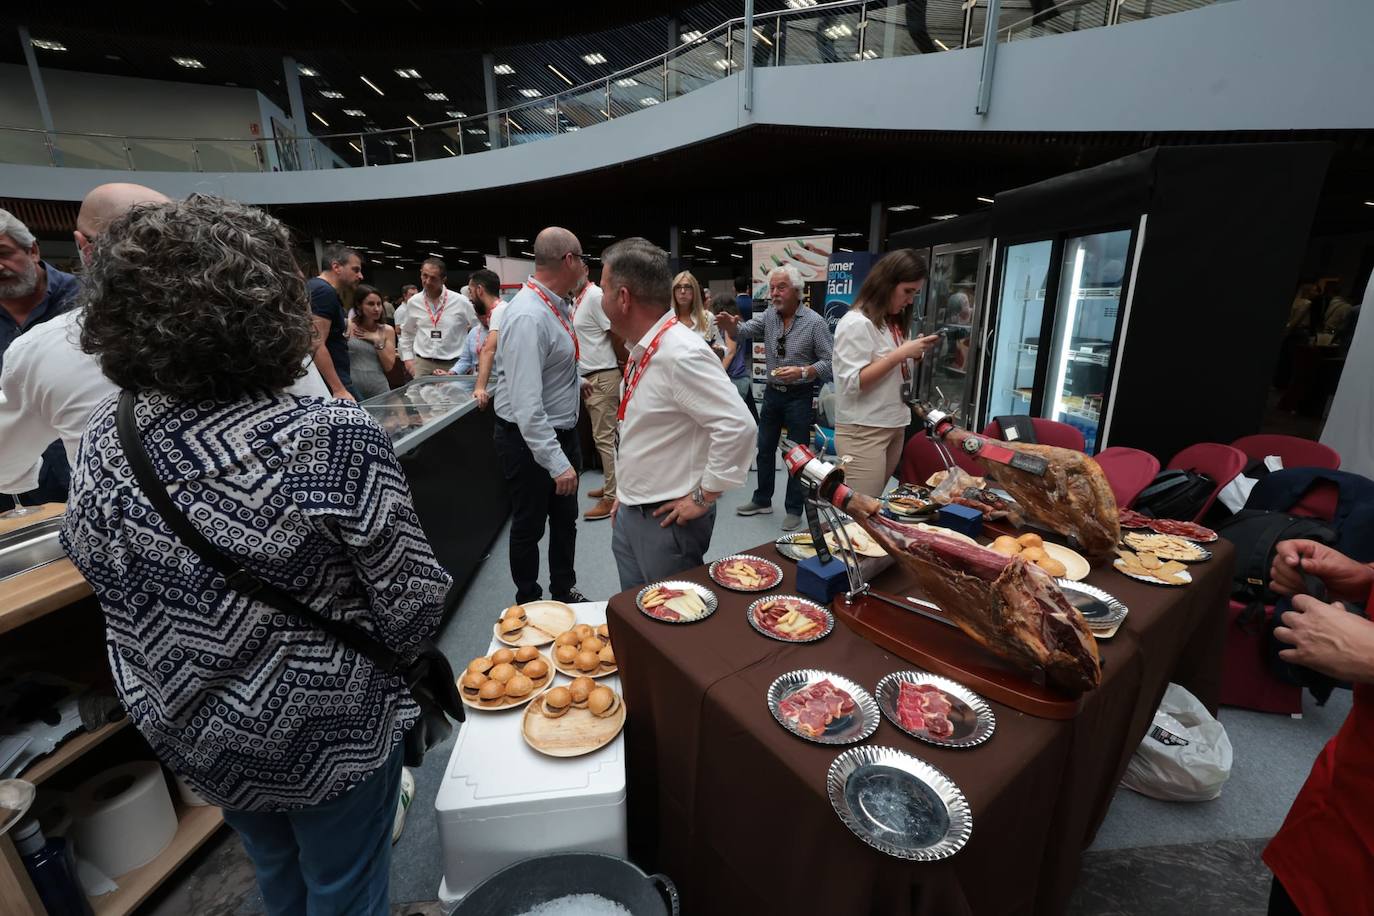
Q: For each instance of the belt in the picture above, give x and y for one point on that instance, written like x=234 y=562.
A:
x=807 y=387
x=599 y=371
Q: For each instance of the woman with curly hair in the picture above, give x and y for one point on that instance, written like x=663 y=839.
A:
x=691 y=310
x=197 y=309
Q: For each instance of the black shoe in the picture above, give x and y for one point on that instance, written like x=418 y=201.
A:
x=572 y=596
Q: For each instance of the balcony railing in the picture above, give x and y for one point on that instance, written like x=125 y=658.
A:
x=849 y=30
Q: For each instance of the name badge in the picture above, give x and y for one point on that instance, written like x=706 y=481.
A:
x=906 y=392
x=436 y=334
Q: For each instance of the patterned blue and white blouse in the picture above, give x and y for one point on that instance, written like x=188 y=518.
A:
x=257 y=710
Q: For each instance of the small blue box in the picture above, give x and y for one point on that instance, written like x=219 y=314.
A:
x=962 y=519
x=821 y=582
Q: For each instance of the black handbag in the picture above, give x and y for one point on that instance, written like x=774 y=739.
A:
x=429 y=676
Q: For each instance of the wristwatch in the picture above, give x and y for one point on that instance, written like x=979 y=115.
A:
x=699 y=497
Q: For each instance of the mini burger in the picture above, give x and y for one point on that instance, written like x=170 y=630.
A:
x=471 y=683
x=536 y=670
x=590 y=644
x=514 y=612
x=492 y=693
x=567 y=639
x=557 y=702
x=607 y=657
x=602 y=702
x=519 y=687
x=502 y=673
x=525 y=654
x=565 y=655
x=603 y=631
x=502 y=657
x=587 y=661
x=580 y=689
x=512 y=627
x=480 y=665
x=583 y=631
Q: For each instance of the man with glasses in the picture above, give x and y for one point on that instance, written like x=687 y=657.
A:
x=798 y=347
x=536 y=393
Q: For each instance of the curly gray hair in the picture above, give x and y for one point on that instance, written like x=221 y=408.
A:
x=794 y=277
x=200 y=299
x=12 y=226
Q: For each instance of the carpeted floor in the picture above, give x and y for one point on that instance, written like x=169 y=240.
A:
x=1147 y=851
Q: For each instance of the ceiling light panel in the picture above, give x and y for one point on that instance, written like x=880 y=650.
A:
x=436 y=96
x=407 y=73
x=306 y=71
x=44 y=44
x=373 y=86
x=453 y=113
x=331 y=93
x=693 y=35
x=190 y=63
x=354 y=113
x=595 y=59
x=530 y=93
x=627 y=81
x=503 y=69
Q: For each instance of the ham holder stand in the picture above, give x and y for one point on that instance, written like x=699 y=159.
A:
x=911 y=626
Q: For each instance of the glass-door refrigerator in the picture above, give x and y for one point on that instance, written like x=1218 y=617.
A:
x=1056 y=327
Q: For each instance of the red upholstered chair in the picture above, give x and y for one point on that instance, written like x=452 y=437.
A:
x=920 y=460
x=1128 y=470
x=1220 y=462
x=1047 y=432
x=1295 y=452
x=1246 y=681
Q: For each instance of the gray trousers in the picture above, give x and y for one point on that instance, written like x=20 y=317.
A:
x=645 y=552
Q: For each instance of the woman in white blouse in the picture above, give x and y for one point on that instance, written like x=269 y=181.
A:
x=874 y=367
x=692 y=312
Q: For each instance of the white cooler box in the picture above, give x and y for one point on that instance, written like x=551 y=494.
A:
x=502 y=801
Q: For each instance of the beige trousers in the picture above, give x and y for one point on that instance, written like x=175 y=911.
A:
x=425 y=366
x=602 y=404
x=874 y=452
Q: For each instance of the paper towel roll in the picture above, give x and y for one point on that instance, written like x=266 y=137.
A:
x=124 y=817
x=188 y=795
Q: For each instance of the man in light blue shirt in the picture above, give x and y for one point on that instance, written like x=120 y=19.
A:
x=484 y=291
x=536 y=393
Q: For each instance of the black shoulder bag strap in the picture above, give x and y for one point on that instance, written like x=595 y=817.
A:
x=429 y=677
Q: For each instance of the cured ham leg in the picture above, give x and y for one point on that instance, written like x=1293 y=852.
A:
x=1072 y=497
x=1010 y=607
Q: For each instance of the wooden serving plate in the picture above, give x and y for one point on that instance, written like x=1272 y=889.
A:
x=544 y=621
x=572 y=734
x=539 y=687
x=948 y=651
x=571 y=671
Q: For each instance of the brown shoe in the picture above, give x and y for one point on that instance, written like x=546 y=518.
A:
x=598 y=493
x=601 y=510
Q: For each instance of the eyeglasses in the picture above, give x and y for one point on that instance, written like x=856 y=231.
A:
x=782 y=345
x=686 y=286
x=577 y=254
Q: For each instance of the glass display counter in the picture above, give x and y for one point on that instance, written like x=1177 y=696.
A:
x=422 y=407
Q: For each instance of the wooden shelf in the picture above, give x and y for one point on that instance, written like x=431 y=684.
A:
x=72 y=749
x=40 y=591
x=195 y=825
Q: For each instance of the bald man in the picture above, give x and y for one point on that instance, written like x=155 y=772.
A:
x=102 y=205
x=536 y=393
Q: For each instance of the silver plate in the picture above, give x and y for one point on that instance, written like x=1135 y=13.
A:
x=971 y=717
x=706 y=594
x=856 y=726
x=825 y=631
x=785 y=546
x=1187 y=577
x=1205 y=553
x=899 y=805
x=777 y=571
x=1100 y=610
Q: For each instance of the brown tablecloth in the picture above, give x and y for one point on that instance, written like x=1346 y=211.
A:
x=734 y=809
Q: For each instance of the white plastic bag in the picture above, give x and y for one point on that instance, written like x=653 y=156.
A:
x=1185 y=756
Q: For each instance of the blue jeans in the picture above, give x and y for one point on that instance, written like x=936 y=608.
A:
x=332 y=859
x=792 y=410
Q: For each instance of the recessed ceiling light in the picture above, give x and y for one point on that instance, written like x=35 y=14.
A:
x=901 y=208
x=530 y=93
x=190 y=63
x=113 y=57
x=476 y=130
x=390 y=244
x=44 y=44
x=572 y=127
x=985 y=200
x=436 y=96
x=306 y=71
x=945 y=216
x=842 y=248
x=373 y=85
x=517 y=241
x=389 y=142
x=734 y=255
x=412 y=121
x=528 y=254
x=1369 y=203
x=354 y=113
x=595 y=58
x=791 y=222
x=696 y=231
x=428 y=242
x=331 y=93
x=724 y=238
x=840 y=30
x=604 y=235
x=456 y=114
x=406 y=73
x=503 y=69
x=650 y=100
x=627 y=81
x=549 y=110
x=851 y=235
x=754 y=231
x=356 y=147
x=868 y=53
x=559 y=73
x=801 y=4
x=435 y=254
x=762 y=37
x=723 y=64
x=702 y=248
x=317 y=117
x=693 y=35
x=516 y=124
x=822 y=228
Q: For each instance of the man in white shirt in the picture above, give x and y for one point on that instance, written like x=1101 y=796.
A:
x=685 y=435
x=434 y=324
x=599 y=369
x=49 y=387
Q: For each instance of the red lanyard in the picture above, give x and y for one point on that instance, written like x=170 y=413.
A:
x=577 y=303
x=635 y=371
x=577 y=350
x=898 y=338
x=443 y=304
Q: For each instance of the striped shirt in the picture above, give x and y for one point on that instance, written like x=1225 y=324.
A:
x=806 y=343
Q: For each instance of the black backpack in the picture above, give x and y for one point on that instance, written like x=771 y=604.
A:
x=1175 y=494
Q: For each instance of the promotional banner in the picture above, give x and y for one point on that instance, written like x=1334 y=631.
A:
x=844 y=277
x=810 y=255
